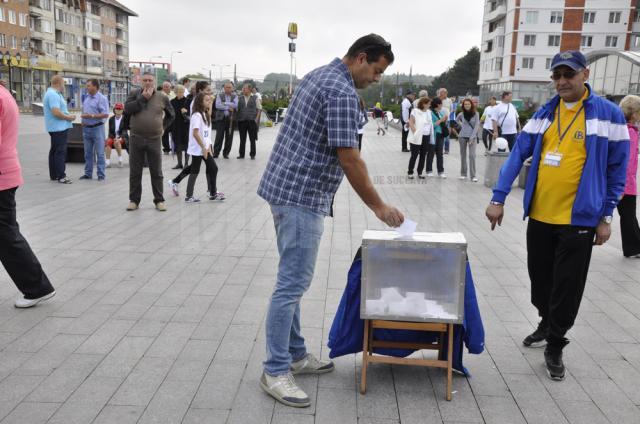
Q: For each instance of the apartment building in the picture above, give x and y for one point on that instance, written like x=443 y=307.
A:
x=520 y=37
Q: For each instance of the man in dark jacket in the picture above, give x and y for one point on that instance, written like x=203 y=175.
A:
x=224 y=114
x=249 y=108
x=150 y=115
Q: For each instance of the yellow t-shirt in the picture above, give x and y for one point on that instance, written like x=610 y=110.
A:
x=557 y=186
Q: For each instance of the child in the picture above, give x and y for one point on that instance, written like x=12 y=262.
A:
x=200 y=147
x=117 y=135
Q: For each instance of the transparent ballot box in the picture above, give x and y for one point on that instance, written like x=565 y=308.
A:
x=419 y=278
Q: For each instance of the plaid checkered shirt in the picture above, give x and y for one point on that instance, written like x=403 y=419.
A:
x=303 y=168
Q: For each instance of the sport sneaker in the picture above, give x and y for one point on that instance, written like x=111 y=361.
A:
x=462 y=177
x=218 y=196
x=28 y=303
x=537 y=338
x=174 y=188
x=474 y=179
x=108 y=165
x=410 y=176
x=421 y=177
x=132 y=206
x=160 y=206
x=311 y=365
x=442 y=175
x=65 y=180
x=429 y=174
x=191 y=199
x=555 y=366
x=284 y=389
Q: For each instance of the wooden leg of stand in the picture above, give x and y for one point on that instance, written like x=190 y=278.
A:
x=450 y=362
x=365 y=357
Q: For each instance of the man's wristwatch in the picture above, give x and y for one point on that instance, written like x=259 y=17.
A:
x=496 y=203
x=606 y=219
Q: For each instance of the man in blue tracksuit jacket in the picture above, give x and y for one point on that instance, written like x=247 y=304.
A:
x=579 y=146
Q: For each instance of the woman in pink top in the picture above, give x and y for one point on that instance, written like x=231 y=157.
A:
x=630 y=105
x=15 y=254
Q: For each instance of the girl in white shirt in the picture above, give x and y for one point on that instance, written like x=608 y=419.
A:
x=200 y=147
x=420 y=127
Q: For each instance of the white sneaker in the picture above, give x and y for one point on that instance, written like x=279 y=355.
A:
x=218 y=196
x=429 y=174
x=410 y=176
x=311 y=365
x=462 y=177
x=191 y=199
x=108 y=165
x=28 y=303
x=284 y=389
x=474 y=179
x=443 y=175
x=174 y=188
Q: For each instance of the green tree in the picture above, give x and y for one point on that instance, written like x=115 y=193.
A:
x=462 y=77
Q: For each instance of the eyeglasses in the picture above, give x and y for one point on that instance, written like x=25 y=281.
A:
x=567 y=74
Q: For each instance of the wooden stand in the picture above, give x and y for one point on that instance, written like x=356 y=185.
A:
x=369 y=344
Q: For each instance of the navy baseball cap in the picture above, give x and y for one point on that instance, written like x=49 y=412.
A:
x=571 y=58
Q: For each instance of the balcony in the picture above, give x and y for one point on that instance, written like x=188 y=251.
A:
x=498 y=13
x=121 y=42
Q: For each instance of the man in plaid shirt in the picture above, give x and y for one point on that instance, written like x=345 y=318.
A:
x=316 y=146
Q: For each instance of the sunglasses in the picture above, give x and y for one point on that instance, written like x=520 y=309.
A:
x=566 y=74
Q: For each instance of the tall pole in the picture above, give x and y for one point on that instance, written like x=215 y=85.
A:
x=291 y=75
x=292 y=32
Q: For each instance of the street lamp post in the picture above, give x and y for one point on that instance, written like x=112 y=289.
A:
x=171 y=61
x=7 y=57
x=292 y=32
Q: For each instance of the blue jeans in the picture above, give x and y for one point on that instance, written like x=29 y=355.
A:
x=93 y=146
x=299 y=231
x=58 y=154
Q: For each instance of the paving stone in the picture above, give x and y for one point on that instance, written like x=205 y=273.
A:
x=111 y=414
x=170 y=402
x=205 y=416
x=32 y=413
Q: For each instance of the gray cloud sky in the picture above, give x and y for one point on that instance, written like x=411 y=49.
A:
x=428 y=34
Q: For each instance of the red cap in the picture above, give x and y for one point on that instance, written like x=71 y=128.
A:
x=119 y=106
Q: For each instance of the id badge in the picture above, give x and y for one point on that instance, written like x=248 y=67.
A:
x=552 y=159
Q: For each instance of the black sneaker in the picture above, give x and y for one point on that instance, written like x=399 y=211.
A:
x=555 y=366
x=537 y=338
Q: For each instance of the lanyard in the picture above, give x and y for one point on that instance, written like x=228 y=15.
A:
x=561 y=134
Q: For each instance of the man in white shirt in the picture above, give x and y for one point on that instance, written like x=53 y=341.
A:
x=506 y=122
x=406 y=106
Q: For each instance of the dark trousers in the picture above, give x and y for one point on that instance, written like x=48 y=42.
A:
x=405 y=134
x=558 y=259
x=629 y=229
x=436 y=150
x=139 y=148
x=212 y=174
x=166 y=146
x=15 y=253
x=58 y=154
x=224 y=131
x=418 y=150
x=511 y=140
x=360 y=141
x=179 y=154
x=487 y=138
x=245 y=127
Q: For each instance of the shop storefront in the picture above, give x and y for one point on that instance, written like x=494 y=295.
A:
x=28 y=79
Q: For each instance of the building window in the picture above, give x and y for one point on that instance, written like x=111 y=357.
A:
x=636 y=41
x=49 y=48
x=527 y=63
x=611 y=41
x=614 y=17
x=14 y=42
x=25 y=44
x=529 y=40
x=554 y=40
x=45 y=4
x=22 y=17
x=12 y=17
x=556 y=18
x=547 y=63
x=46 y=26
x=2 y=18
x=3 y=40
x=531 y=17
x=500 y=41
x=489 y=46
x=586 y=41
x=589 y=17
x=498 y=64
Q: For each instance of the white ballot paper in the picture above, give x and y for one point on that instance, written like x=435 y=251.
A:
x=407 y=228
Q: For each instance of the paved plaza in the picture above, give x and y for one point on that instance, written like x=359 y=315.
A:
x=159 y=317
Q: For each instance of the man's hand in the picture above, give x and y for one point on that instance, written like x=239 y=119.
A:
x=495 y=213
x=389 y=215
x=603 y=232
x=71 y=118
x=183 y=110
x=147 y=93
x=495 y=135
